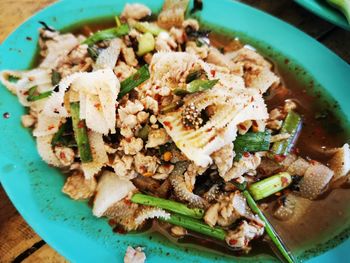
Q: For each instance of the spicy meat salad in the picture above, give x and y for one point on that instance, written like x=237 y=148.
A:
x=153 y=122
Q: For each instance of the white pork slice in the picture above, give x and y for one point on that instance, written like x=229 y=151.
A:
x=231 y=108
x=340 y=162
x=110 y=190
x=109 y=56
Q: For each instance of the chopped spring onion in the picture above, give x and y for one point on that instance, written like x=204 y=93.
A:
x=270 y=185
x=107 y=34
x=171 y=107
x=143 y=132
x=146 y=27
x=251 y=142
x=13 y=79
x=33 y=97
x=196 y=85
x=166 y=204
x=55 y=78
x=196 y=74
x=146 y=44
x=269 y=229
x=292 y=125
x=133 y=81
x=93 y=52
x=64 y=135
x=80 y=133
x=196 y=226
x=241 y=186
x=117 y=21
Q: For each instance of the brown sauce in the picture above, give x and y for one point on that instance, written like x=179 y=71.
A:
x=321 y=130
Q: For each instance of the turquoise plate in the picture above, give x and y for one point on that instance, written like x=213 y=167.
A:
x=326 y=11
x=68 y=226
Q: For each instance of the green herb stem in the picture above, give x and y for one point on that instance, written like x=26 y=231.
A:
x=270 y=185
x=291 y=125
x=107 y=34
x=80 y=134
x=166 y=204
x=269 y=229
x=196 y=226
x=133 y=81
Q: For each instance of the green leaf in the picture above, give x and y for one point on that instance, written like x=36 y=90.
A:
x=107 y=34
x=133 y=81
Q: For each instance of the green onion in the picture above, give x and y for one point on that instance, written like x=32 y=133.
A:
x=146 y=44
x=171 y=107
x=64 y=135
x=196 y=226
x=143 y=132
x=117 y=21
x=80 y=133
x=93 y=52
x=107 y=34
x=196 y=85
x=146 y=27
x=133 y=81
x=251 y=142
x=33 y=97
x=166 y=204
x=270 y=185
x=55 y=78
x=291 y=125
x=241 y=186
x=269 y=229
x=13 y=79
x=196 y=74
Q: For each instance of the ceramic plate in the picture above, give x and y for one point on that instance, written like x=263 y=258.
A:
x=324 y=10
x=67 y=225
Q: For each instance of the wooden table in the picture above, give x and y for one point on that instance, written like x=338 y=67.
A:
x=18 y=242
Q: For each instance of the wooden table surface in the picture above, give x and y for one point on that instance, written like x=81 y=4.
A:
x=18 y=242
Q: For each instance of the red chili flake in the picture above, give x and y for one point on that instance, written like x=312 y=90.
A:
x=157 y=87
x=251 y=99
x=158 y=98
x=50 y=127
x=209 y=130
x=212 y=139
x=62 y=155
x=255 y=123
x=168 y=124
x=127 y=202
x=232 y=242
x=313 y=162
x=81 y=124
x=6 y=115
x=241 y=126
x=25 y=93
x=284 y=181
x=213 y=72
x=119 y=74
x=97 y=106
x=279 y=157
x=112 y=222
x=128 y=139
x=246 y=154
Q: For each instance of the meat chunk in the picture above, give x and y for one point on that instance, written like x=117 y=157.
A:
x=110 y=190
x=315 y=180
x=145 y=165
x=240 y=237
x=244 y=165
x=340 y=162
x=173 y=13
x=134 y=255
x=79 y=188
x=157 y=137
x=228 y=209
x=65 y=155
x=135 y=11
x=132 y=146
